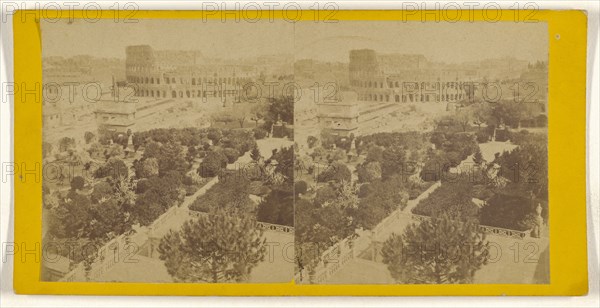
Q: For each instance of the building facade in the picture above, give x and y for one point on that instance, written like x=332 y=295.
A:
x=402 y=78
x=118 y=117
x=65 y=104
x=183 y=74
x=339 y=116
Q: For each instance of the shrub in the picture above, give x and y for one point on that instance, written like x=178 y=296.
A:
x=434 y=168
x=231 y=154
x=300 y=187
x=483 y=136
x=190 y=189
x=325 y=194
x=141 y=187
x=335 y=172
x=369 y=172
x=66 y=143
x=215 y=135
x=77 y=183
x=277 y=208
x=89 y=137
x=46 y=149
x=311 y=141
x=259 y=133
x=212 y=164
x=502 y=135
x=452 y=198
x=115 y=168
x=506 y=211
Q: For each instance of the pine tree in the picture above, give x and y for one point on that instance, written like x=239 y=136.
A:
x=436 y=251
x=218 y=247
x=478 y=157
x=255 y=154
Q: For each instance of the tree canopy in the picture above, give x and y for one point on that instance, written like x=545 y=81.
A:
x=214 y=248
x=337 y=172
x=436 y=251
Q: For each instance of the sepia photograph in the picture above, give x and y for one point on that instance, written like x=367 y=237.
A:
x=421 y=153
x=299 y=153
x=168 y=151
x=357 y=152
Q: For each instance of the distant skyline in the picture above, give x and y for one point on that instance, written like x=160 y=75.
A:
x=438 y=42
x=328 y=42
x=215 y=39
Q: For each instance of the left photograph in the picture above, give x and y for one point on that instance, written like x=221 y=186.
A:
x=168 y=151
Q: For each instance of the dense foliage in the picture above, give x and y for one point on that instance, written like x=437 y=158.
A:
x=378 y=200
x=230 y=194
x=452 y=146
x=277 y=207
x=453 y=198
x=117 y=199
x=337 y=172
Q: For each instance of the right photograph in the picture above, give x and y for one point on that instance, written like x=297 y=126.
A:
x=421 y=153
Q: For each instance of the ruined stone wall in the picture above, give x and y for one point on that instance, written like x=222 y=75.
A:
x=402 y=78
x=182 y=74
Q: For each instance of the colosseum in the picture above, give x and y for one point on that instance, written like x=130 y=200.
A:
x=405 y=78
x=379 y=84
x=183 y=74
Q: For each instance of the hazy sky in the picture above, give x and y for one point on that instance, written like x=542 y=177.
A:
x=444 y=42
x=213 y=38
